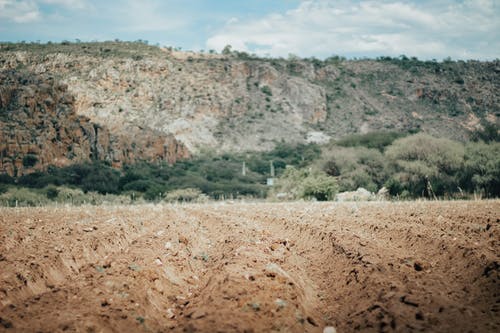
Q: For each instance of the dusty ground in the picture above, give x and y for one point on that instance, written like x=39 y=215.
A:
x=424 y=266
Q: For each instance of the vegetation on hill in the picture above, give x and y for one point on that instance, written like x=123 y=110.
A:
x=218 y=176
x=410 y=166
x=149 y=108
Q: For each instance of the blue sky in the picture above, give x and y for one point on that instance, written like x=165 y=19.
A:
x=461 y=29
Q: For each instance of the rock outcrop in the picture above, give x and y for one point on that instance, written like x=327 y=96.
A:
x=132 y=101
x=360 y=194
x=39 y=127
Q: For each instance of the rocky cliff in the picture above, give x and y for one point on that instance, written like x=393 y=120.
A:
x=39 y=127
x=236 y=102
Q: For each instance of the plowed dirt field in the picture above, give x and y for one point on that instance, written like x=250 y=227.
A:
x=290 y=267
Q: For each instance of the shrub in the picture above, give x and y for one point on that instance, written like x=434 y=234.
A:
x=139 y=185
x=227 y=50
x=51 y=192
x=266 y=90
x=489 y=133
x=481 y=170
x=186 y=195
x=375 y=140
x=71 y=196
x=3 y=188
x=320 y=187
x=22 y=197
x=6 y=179
x=37 y=180
x=102 y=180
x=425 y=165
x=394 y=186
x=73 y=174
x=29 y=160
x=306 y=184
x=355 y=167
x=154 y=193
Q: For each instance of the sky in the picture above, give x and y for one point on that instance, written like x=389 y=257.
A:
x=427 y=29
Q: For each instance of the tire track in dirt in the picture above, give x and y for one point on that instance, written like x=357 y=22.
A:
x=254 y=282
x=120 y=285
x=382 y=277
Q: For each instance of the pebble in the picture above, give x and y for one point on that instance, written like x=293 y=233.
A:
x=170 y=313
x=280 y=303
x=329 y=329
x=197 y=314
x=183 y=240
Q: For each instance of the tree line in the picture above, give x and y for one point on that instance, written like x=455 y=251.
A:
x=408 y=165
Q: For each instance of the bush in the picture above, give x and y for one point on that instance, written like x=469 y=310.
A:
x=29 y=160
x=74 y=196
x=6 y=179
x=481 y=171
x=489 y=133
x=355 y=167
x=266 y=90
x=374 y=140
x=154 y=193
x=37 y=180
x=426 y=166
x=3 y=188
x=139 y=185
x=394 y=186
x=51 y=192
x=22 y=197
x=186 y=195
x=320 y=187
x=102 y=180
x=306 y=184
x=71 y=196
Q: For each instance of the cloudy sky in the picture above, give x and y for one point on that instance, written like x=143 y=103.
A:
x=428 y=29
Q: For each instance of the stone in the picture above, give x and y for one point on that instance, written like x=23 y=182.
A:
x=170 y=313
x=360 y=194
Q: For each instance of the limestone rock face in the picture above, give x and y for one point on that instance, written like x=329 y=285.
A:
x=39 y=127
x=127 y=101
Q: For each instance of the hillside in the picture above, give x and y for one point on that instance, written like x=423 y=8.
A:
x=158 y=104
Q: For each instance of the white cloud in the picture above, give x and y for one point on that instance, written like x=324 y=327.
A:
x=427 y=29
x=19 y=11
x=26 y=11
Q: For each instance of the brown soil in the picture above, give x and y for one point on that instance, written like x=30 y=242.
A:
x=373 y=267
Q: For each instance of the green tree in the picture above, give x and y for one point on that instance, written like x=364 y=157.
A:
x=306 y=184
x=102 y=180
x=481 y=170
x=266 y=90
x=489 y=133
x=355 y=167
x=30 y=160
x=227 y=50
x=51 y=192
x=424 y=165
